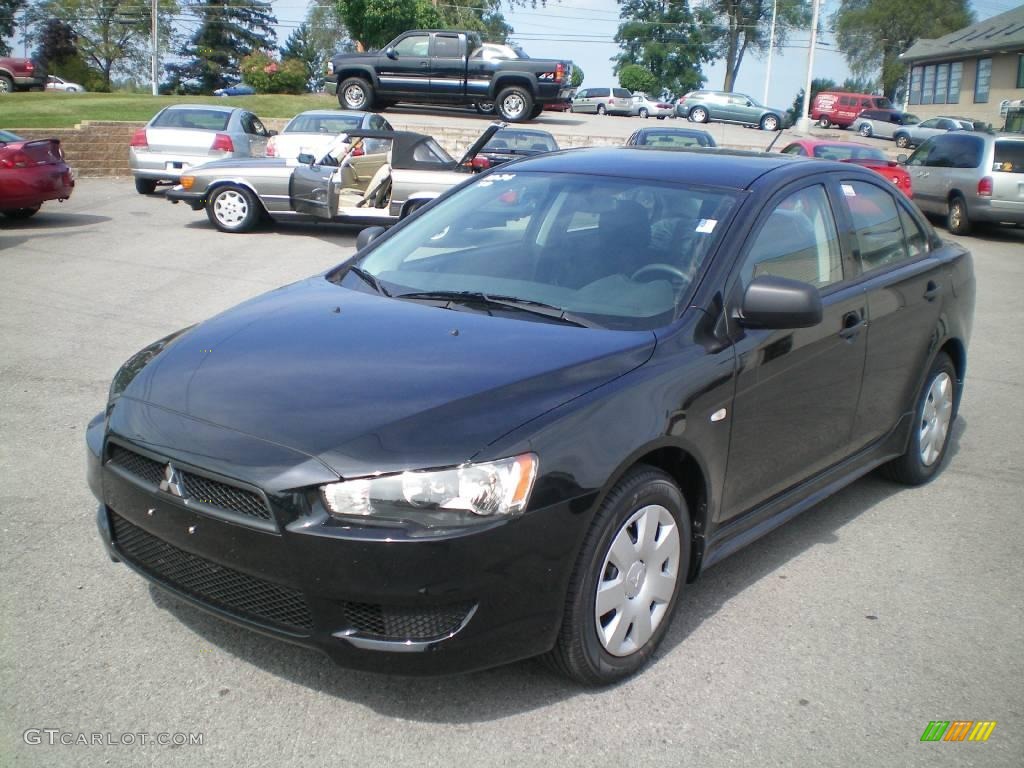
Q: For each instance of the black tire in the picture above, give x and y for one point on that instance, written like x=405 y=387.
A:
x=824 y=122
x=514 y=104
x=6 y=84
x=355 y=93
x=865 y=131
x=911 y=468
x=644 y=113
x=233 y=209
x=18 y=214
x=662 y=117
x=902 y=140
x=484 y=107
x=699 y=115
x=579 y=652
x=601 y=110
x=958 y=221
x=145 y=186
x=770 y=123
x=535 y=112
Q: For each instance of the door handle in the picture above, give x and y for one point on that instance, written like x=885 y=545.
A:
x=853 y=322
x=932 y=290
x=424 y=64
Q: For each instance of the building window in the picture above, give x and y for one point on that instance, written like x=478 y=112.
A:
x=956 y=71
x=928 y=93
x=941 y=81
x=936 y=83
x=1020 y=71
x=915 y=84
x=982 y=81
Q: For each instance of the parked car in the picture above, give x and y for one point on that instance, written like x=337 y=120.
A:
x=644 y=106
x=670 y=138
x=559 y=106
x=603 y=101
x=913 y=135
x=970 y=178
x=841 y=109
x=184 y=135
x=726 y=107
x=343 y=186
x=513 y=143
x=312 y=132
x=54 y=83
x=514 y=425
x=882 y=123
x=31 y=173
x=241 y=89
x=851 y=152
x=17 y=74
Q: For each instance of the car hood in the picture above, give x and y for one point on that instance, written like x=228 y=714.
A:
x=242 y=163
x=370 y=384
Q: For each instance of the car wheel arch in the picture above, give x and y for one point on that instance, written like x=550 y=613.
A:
x=219 y=183
x=510 y=80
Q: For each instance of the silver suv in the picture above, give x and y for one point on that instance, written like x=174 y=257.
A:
x=969 y=178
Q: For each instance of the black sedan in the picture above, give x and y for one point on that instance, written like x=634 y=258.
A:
x=521 y=421
x=671 y=138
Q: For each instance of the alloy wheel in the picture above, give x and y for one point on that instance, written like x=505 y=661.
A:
x=355 y=96
x=231 y=208
x=513 y=105
x=935 y=418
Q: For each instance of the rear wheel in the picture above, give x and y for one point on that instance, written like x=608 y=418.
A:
x=6 y=84
x=233 y=209
x=644 y=113
x=865 y=131
x=484 y=107
x=902 y=141
x=957 y=220
x=21 y=213
x=355 y=93
x=770 y=123
x=934 y=413
x=699 y=115
x=145 y=186
x=824 y=122
x=514 y=104
x=626 y=582
x=601 y=110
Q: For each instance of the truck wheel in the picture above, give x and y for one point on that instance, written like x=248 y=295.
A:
x=537 y=109
x=6 y=84
x=355 y=93
x=514 y=104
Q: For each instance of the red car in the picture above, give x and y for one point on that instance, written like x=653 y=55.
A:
x=852 y=152
x=31 y=172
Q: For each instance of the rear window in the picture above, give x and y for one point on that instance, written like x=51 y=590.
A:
x=671 y=139
x=853 y=152
x=322 y=124
x=514 y=140
x=1009 y=157
x=203 y=119
x=621 y=93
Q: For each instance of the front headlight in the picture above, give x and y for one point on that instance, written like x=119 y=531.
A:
x=459 y=496
x=127 y=372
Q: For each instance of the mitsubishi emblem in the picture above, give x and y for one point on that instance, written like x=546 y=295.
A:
x=172 y=482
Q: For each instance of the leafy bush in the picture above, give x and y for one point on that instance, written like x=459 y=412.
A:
x=267 y=75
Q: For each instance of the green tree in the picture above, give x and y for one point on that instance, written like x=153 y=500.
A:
x=328 y=35
x=110 y=35
x=372 y=23
x=577 y=77
x=873 y=33
x=635 y=78
x=818 y=84
x=267 y=75
x=7 y=10
x=229 y=30
x=665 y=38
x=300 y=46
x=745 y=25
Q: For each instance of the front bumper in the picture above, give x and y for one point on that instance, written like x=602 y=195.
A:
x=369 y=598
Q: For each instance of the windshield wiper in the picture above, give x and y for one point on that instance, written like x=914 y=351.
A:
x=368 y=278
x=507 y=302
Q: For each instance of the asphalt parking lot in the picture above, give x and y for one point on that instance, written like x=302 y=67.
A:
x=831 y=642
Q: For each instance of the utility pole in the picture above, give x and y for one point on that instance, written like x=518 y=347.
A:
x=771 y=50
x=803 y=125
x=154 y=42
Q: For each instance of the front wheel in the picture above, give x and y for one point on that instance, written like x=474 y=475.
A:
x=514 y=104
x=934 y=413
x=699 y=115
x=626 y=583
x=769 y=123
x=957 y=220
x=355 y=93
x=902 y=141
x=233 y=209
x=865 y=131
x=21 y=213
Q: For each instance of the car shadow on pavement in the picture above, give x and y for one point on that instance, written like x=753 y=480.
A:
x=528 y=685
x=55 y=220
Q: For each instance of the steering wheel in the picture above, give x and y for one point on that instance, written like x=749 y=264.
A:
x=675 y=272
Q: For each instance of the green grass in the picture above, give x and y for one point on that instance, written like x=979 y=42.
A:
x=65 y=110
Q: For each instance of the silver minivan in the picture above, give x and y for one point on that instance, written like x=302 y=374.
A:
x=610 y=101
x=970 y=178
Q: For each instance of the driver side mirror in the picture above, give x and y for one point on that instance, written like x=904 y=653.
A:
x=390 y=53
x=307 y=159
x=778 y=302
x=367 y=236
x=271 y=133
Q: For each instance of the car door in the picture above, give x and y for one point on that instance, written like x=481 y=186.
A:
x=404 y=68
x=313 y=189
x=796 y=389
x=927 y=167
x=905 y=280
x=448 y=66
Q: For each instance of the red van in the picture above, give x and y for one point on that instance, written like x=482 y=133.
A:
x=841 y=109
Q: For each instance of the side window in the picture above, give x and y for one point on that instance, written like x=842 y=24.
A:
x=920 y=155
x=794 y=149
x=965 y=151
x=917 y=241
x=447 y=47
x=798 y=240
x=876 y=224
x=933 y=123
x=414 y=45
x=257 y=127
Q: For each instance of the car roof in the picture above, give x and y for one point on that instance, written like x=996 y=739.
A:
x=730 y=168
x=332 y=113
x=207 y=107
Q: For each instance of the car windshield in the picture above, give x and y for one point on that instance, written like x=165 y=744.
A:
x=506 y=140
x=847 y=152
x=323 y=124
x=668 y=139
x=621 y=253
x=203 y=119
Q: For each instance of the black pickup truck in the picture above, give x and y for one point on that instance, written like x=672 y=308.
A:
x=426 y=66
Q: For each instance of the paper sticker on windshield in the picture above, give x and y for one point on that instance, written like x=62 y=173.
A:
x=706 y=226
x=849 y=191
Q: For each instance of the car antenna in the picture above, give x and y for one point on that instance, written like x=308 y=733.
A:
x=777 y=135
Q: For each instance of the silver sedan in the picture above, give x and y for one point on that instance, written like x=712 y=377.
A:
x=185 y=135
